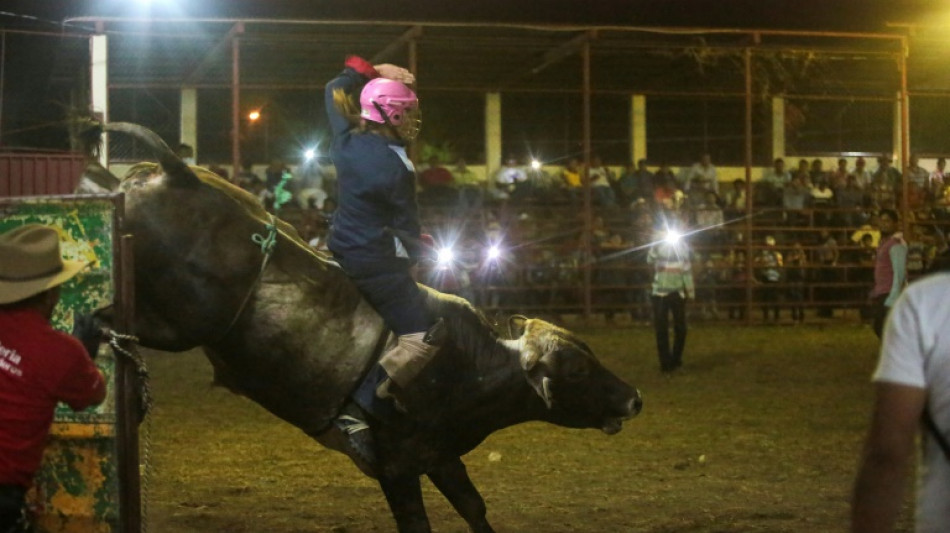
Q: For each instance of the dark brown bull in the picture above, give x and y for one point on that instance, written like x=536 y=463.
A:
x=296 y=337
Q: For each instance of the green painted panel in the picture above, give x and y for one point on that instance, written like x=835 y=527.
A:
x=77 y=487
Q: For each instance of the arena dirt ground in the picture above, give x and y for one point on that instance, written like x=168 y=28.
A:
x=760 y=432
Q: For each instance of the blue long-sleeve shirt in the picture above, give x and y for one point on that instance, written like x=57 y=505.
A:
x=376 y=186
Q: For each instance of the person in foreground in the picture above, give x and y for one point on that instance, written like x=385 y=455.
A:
x=39 y=366
x=912 y=383
x=376 y=232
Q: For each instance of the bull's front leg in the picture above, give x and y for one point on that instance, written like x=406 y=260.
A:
x=404 y=495
x=451 y=478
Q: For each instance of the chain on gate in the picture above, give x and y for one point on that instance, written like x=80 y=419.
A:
x=145 y=409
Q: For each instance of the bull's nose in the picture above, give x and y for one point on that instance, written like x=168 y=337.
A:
x=636 y=403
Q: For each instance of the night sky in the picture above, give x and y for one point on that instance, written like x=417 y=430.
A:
x=853 y=15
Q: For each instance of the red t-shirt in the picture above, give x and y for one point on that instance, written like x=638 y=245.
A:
x=435 y=177
x=39 y=367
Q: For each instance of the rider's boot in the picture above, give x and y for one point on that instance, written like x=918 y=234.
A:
x=406 y=360
x=358 y=439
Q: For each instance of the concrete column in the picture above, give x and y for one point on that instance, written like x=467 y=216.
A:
x=189 y=118
x=492 y=133
x=638 y=127
x=899 y=159
x=778 y=127
x=99 y=78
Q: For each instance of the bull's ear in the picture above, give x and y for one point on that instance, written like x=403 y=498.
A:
x=516 y=326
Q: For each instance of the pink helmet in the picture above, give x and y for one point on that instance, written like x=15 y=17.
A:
x=387 y=96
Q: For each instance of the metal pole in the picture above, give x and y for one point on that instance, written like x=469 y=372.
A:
x=128 y=398
x=588 y=219
x=236 y=98
x=748 y=184
x=3 y=65
x=905 y=133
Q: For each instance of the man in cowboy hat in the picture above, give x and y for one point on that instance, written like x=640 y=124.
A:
x=39 y=366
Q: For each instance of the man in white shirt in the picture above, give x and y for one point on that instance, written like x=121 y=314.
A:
x=703 y=173
x=913 y=376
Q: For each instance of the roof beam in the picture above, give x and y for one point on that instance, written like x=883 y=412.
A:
x=566 y=49
x=196 y=72
x=391 y=48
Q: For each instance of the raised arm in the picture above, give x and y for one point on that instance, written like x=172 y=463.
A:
x=356 y=73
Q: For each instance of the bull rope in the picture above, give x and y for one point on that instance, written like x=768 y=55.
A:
x=115 y=341
x=267 y=243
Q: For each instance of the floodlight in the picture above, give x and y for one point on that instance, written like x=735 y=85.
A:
x=494 y=252
x=535 y=164
x=309 y=154
x=446 y=255
x=672 y=236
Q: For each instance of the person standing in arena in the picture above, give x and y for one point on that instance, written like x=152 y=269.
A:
x=672 y=287
x=39 y=366
x=910 y=386
x=890 y=268
x=376 y=232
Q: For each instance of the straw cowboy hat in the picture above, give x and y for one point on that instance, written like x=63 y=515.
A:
x=30 y=263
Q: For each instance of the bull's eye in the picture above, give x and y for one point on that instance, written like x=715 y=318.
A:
x=576 y=370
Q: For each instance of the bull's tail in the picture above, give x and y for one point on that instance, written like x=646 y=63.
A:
x=88 y=135
x=176 y=170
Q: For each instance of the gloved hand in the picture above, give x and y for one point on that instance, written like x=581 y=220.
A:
x=90 y=332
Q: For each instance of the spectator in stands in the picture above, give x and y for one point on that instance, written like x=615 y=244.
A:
x=887 y=174
x=308 y=184
x=274 y=173
x=600 y=182
x=665 y=193
x=768 y=272
x=816 y=172
x=738 y=274
x=850 y=199
x=822 y=200
x=610 y=274
x=571 y=176
x=219 y=171
x=509 y=178
x=636 y=183
x=938 y=180
x=861 y=173
x=708 y=219
x=713 y=267
x=882 y=192
x=795 y=198
x=803 y=172
x=734 y=200
x=247 y=179
x=777 y=176
x=187 y=154
x=703 y=173
x=917 y=174
x=826 y=257
x=890 y=268
x=838 y=178
x=471 y=190
x=438 y=184
x=639 y=273
x=796 y=274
